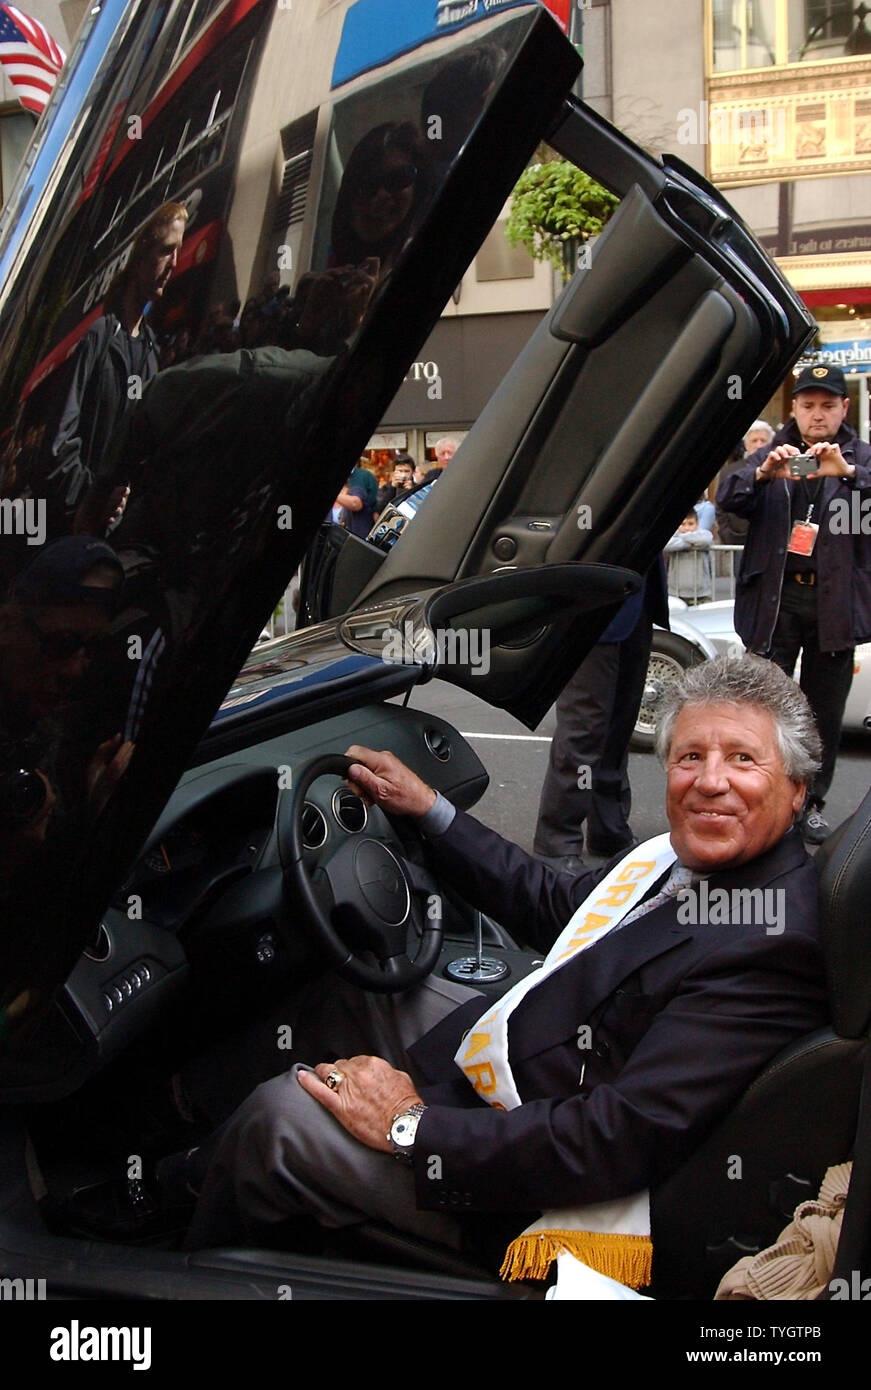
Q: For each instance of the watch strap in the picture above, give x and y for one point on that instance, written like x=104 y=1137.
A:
x=400 y=1150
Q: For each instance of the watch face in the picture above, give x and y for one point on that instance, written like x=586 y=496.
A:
x=404 y=1129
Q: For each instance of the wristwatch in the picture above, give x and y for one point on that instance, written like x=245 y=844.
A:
x=403 y=1132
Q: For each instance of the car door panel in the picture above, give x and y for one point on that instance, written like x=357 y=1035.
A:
x=664 y=346
x=635 y=254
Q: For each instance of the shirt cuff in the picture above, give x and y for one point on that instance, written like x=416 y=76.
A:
x=439 y=816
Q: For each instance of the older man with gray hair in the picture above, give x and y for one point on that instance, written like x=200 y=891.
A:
x=759 y=434
x=444 y=452
x=732 y=529
x=664 y=991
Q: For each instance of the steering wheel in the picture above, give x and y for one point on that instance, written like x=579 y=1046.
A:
x=365 y=888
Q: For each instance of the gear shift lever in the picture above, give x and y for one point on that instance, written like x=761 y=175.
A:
x=477 y=969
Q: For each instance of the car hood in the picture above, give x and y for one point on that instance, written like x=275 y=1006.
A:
x=324 y=669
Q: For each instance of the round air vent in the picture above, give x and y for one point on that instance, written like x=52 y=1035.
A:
x=349 y=810
x=314 y=826
x=438 y=744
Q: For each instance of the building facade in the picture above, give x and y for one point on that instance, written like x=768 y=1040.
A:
x=771 y=100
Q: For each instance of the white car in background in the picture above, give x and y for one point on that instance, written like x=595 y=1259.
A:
x=705 y=630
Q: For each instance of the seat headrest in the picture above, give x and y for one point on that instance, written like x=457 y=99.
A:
x=844 y=865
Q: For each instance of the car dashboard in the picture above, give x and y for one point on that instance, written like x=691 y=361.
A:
x=206 y=923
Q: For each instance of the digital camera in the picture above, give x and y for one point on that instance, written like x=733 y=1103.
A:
x=802 y=464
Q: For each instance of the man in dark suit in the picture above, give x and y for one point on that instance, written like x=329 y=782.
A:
x=623 y=1056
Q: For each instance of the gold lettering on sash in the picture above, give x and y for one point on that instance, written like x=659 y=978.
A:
x=482 y=1077
x=485 y=1022
x=639 y=868
x=592 y=922
x=477 y=1040
x=617 y=895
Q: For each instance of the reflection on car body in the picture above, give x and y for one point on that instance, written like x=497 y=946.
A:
x=297 y=140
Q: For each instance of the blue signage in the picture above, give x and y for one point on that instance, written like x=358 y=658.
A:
x=851 y=357
x=377 y=31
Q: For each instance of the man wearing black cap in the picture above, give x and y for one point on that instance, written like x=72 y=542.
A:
x=61 y=606
x=805 y=579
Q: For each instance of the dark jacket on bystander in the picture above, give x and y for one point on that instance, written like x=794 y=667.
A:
x=843 y=547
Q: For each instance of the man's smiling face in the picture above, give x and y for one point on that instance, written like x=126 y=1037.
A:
x=729 y=798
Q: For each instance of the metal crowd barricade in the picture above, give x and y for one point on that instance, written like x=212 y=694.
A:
x=724 y=566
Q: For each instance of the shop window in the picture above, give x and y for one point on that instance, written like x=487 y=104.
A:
x=744 y=34
x=832 y=18
x=819 y=29
x=759 y=33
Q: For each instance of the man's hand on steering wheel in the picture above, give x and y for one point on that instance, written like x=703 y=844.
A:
x=364 y=898
x=382 y=780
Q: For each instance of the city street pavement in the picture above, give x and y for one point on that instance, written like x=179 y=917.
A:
x=516 y=760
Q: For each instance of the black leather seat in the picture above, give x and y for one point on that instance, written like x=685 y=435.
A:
x=799 y=1117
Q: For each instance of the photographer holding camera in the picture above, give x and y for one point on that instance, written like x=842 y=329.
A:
x=805 y=580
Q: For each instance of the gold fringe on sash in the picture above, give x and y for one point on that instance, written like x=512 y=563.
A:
x=622 y=1257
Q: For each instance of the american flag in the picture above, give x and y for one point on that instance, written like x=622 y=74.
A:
x=30 y=57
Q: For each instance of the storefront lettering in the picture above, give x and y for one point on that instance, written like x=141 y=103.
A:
x=423 y=371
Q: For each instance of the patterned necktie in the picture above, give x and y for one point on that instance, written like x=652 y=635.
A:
x=679 y=878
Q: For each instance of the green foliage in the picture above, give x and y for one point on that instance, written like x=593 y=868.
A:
x=553 y=206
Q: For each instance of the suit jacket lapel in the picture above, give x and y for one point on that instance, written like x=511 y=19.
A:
x=553 y=1010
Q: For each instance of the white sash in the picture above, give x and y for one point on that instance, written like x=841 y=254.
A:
x=611 y=1237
